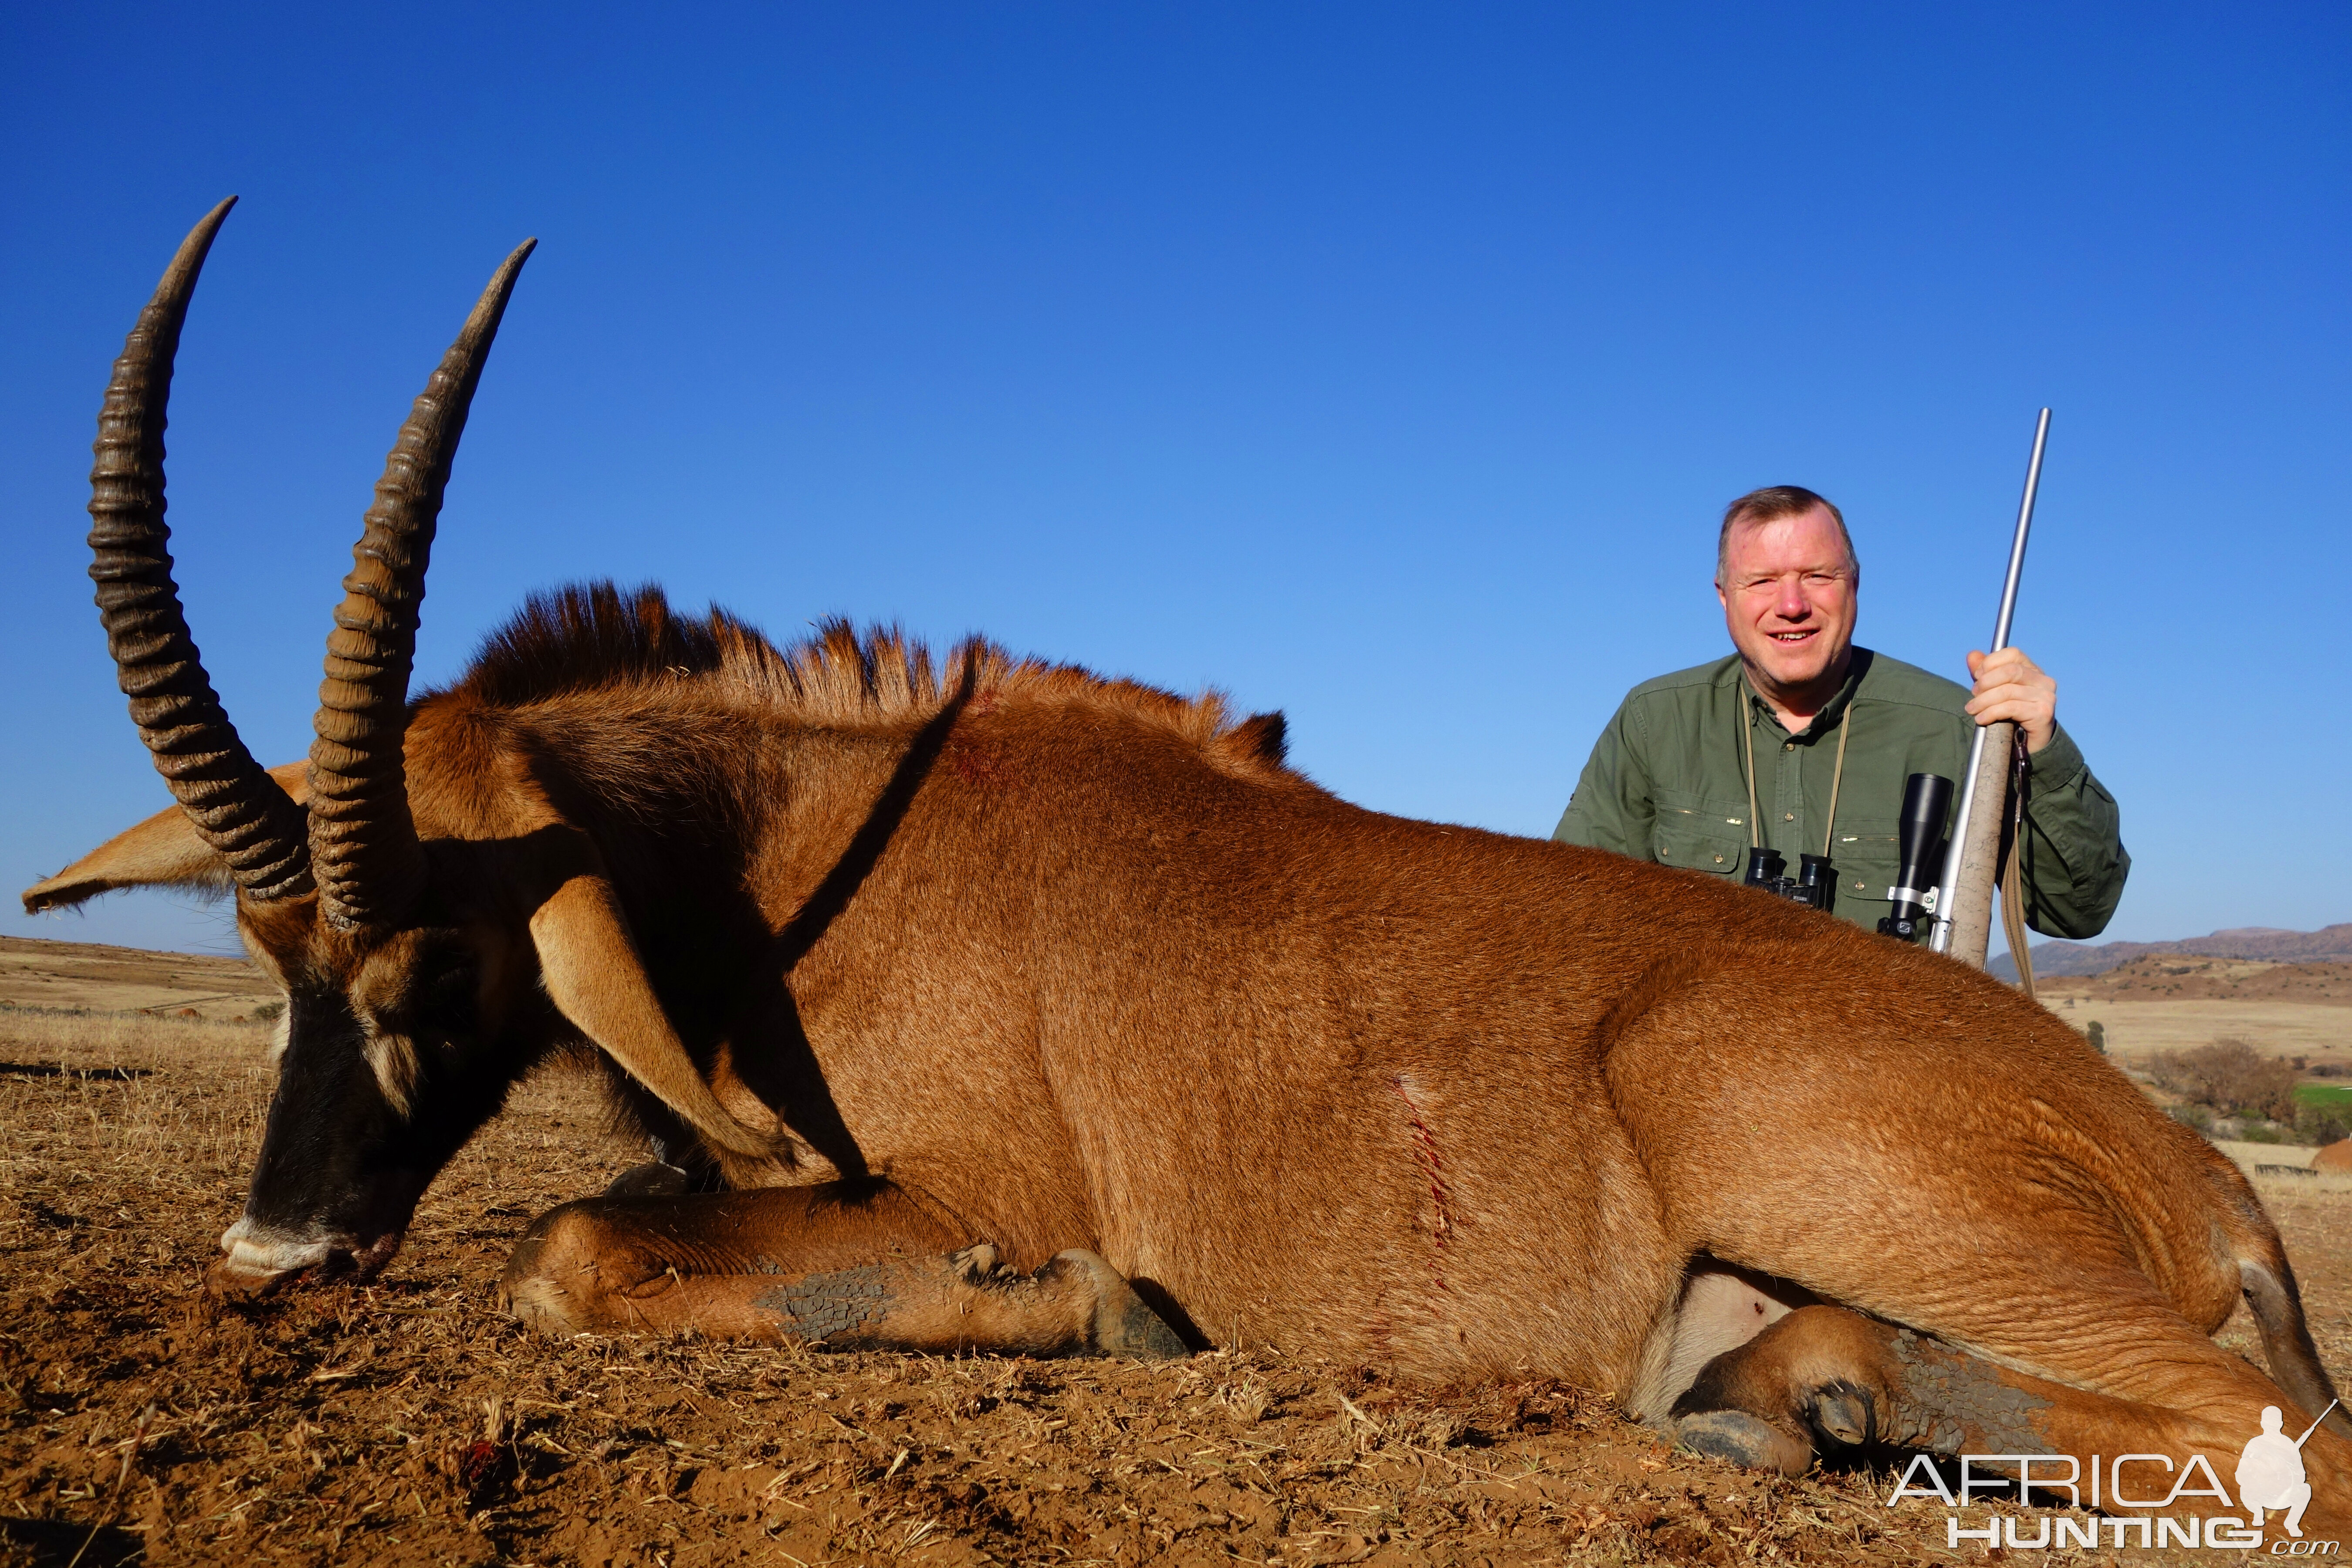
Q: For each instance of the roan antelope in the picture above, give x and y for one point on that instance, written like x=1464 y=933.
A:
x=1013 y=1008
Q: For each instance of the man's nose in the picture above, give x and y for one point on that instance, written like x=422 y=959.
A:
x=1791 y=604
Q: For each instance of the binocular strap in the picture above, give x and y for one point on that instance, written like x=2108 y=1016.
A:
x=1837 y=773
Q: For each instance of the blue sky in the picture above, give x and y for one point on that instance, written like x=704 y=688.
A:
x=1386 y=365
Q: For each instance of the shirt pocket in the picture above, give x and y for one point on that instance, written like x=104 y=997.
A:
x=1866 y=855
x=1699 y=834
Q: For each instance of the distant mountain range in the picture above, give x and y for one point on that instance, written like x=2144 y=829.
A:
x=2332 y=945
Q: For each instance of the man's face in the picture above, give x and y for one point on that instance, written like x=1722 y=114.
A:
x=1788 y=598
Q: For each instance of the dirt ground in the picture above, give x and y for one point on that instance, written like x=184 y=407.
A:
x=409 y=1422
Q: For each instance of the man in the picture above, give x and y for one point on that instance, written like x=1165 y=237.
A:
x=1820 y=735
x=2270 y=1475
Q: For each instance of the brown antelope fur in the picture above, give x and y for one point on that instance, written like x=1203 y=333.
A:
x=986 y=988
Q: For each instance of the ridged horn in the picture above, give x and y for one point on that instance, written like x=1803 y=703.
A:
x=236 y=809
x=363 y=846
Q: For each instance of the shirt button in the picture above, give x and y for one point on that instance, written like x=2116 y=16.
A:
x=1857 y=887
x=1718 y=860
x=1788 y=816
x=1787 y=745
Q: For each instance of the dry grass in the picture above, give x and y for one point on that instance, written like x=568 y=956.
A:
x=2138 y=1029
x=163 y=1112
x=86 y=975
x=410 y=1423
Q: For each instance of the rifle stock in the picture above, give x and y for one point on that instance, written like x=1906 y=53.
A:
x=1985 y=799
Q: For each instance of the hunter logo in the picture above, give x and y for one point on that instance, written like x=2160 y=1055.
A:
x=2270 y=1471
x=2269 y=1478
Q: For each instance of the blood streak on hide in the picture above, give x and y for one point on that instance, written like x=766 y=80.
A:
x=1424 y=1148
x=978 y=764
x=975 y=760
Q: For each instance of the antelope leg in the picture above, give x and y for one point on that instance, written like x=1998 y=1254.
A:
x=1824 y=1377
x=858 y=1266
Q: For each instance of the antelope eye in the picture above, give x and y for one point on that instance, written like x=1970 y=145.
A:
x=446 y=1002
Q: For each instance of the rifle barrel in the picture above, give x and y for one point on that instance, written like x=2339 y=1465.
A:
x=2024 y=525
x=1941 y=938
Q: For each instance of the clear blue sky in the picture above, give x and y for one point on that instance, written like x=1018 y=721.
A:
x=1384 y=365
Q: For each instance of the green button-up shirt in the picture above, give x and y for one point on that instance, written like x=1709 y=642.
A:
x=1667 y=782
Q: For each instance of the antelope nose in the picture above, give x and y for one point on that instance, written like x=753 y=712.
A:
x=258 y=1259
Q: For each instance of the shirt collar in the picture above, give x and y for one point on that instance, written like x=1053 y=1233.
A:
x=1832 y=714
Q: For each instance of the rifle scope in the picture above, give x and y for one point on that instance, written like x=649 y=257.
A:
x=1927 y=797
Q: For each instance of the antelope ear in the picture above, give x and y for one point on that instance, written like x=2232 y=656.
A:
x=162 y=851
x=597 y=980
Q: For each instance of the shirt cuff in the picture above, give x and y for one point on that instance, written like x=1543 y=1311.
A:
x=2056 y=764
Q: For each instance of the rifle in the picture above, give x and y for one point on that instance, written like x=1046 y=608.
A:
x=1964 y=905
x=2307 y=1431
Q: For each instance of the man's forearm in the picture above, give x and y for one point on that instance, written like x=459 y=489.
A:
x=2074 y=864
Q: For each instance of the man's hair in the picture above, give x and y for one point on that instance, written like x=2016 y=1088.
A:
x=1769 y=504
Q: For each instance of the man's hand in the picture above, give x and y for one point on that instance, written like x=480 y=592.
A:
x=2012 y=687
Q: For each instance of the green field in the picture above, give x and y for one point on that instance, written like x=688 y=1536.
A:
x=2327 y=1096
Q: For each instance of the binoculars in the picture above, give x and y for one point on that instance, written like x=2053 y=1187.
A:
x=1927 y=797
x=1812 y=884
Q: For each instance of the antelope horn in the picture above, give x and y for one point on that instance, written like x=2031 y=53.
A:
x=239 y=810
x=363 y=840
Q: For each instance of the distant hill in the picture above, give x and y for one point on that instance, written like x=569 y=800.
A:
x=2265 y=943
x=2188 y=978
x=75 y=975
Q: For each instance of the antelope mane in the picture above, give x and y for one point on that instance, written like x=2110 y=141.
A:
x=596 y=637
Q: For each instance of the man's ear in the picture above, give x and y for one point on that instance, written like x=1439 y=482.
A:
x=594 y=977
x=162 y=851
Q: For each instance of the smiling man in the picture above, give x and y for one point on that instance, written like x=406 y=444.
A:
x=1800 y=742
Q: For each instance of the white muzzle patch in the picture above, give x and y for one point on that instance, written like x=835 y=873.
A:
x=265 y=1252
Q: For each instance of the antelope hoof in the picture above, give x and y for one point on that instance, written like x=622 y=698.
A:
x=552 y=1280
x=653 y=1179
x=1744 y=1440
x=1843 y=1414
x=1123 y=1325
